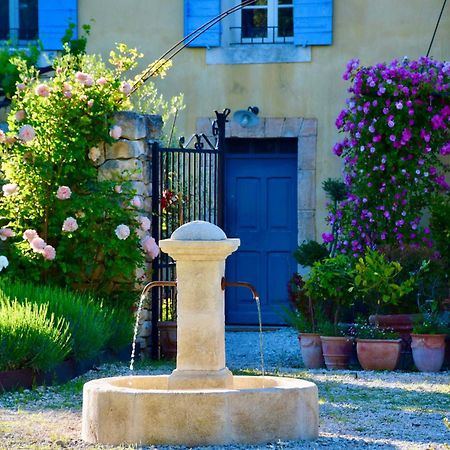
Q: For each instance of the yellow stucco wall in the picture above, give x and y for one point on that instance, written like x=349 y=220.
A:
x=371 y=30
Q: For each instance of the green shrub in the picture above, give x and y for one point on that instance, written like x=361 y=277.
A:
x=9 y=73
x=309 y=252
x=121 y=322
x=89 y=323
x=88 y=231
x=31 y=336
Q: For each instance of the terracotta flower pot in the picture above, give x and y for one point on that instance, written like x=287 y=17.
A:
x=337 y=351
x=428 y=351
x=168 y=339
x=311 y=348
x=378 y=354
x=402 y=324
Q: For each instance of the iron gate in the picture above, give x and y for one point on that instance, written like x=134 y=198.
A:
x=186 y=185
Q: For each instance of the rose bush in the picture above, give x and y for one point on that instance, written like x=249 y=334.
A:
x=397 y=135
x=71 y=228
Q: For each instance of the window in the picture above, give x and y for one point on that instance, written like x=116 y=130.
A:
x=267 y=21
x=269 y=31
x=19 y=20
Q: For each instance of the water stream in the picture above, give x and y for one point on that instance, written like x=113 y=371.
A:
x=136 y=327
x=261 y=347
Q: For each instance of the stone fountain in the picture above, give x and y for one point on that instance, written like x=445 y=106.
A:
x=201 y=402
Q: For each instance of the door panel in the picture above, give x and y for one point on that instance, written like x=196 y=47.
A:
x=261 y=210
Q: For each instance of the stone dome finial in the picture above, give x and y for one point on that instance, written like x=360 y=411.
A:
x=198 y=230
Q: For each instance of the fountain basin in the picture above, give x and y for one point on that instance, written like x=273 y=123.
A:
x=143 y=410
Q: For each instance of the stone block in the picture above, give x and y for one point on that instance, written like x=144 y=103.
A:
x=306 y=225
x=145 y=329
x=273 y=128
x=146 y=315
x=140 y=188
x=132 y=168
x=306 y=190
x=307 y=153
x=148 y=204
x=292 y=126
x=133 y=125
x=309 y=127
x=237 y=131
x=154 y=126
x=259 y=130
x=124 y=149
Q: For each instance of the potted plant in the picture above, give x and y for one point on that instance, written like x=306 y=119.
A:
x=329 y=283
x=381 y=284
x=377 y=348
x=303 y=316
x=428 y=339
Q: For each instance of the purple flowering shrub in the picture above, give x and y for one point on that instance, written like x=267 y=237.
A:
x=397 y=135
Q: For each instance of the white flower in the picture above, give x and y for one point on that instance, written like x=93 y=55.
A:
x=70 y=225
x=115 y=132
x=122 y=232
x=144 y=223
x=9 y=189
x=3 y=262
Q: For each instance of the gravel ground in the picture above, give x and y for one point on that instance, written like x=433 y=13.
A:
x=358 y=409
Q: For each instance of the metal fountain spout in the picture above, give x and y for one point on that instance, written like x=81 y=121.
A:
x=154 y=284
x=244 y=284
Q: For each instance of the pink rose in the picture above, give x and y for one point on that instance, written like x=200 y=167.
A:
x=49 y=252
x=115 y=132
x=20 y=115
x=84 y=78
x=118 y=188
x=43 y=90
x=21 y=86
x=102 y=81
x=125 y=87
x=2 y=137
x=70 y=225
x=63 y=193
x=150 y=247
x=144 y=223
x=90 y=103
x=38 y=244
x=6 y=233
x=136 y=202
x=94 y=153
x=29 y=235
x=9 y=189
x=27 y=133
x=122 y=232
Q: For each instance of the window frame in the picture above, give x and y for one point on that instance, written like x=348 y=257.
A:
x=272 y=7
x=14 y=25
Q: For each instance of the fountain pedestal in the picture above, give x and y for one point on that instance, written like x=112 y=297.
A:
x=200 y=305
x=201 y=402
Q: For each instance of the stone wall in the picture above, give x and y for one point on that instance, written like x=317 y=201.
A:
x=131 y=157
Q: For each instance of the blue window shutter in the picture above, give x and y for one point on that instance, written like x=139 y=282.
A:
x=54 y=18
x=197 y=13
x=313 y=22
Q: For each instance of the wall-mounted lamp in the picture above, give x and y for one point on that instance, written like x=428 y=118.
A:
x=247 y=118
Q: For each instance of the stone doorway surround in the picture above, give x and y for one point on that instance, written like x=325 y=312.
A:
x=305 y=130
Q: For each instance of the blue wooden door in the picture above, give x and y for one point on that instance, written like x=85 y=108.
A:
x=261 y=210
